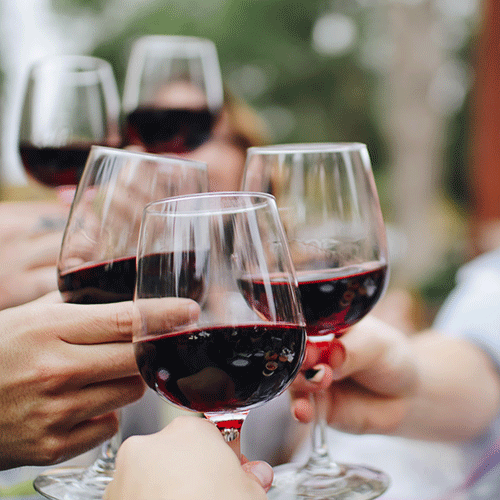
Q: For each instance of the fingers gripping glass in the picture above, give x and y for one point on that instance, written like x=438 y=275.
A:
x=330 y=210
x=97 y=262
x=245 y=342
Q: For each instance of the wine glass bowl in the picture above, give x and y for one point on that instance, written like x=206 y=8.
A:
x=97 y=263
x=173 y=93
x=227 y=252
x=331 y=214
x=70 y=102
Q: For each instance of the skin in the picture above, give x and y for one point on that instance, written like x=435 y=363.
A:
x=30 y=239
x=388 y=382
x=65 y=369
x=188 y=459
x=225 y=160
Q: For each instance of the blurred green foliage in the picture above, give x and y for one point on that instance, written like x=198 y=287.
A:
x=321 y=98
x=267 y=58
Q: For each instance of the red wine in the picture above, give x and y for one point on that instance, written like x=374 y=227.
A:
x=112 y=281
x=169 y=130
x=330 y=302
x=55 y=166
x=222 y=368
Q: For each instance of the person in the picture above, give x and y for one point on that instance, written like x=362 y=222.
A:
x=65 y=369
x=409 y=403
x=187 y=460
x=30 y=239
x=236 y=128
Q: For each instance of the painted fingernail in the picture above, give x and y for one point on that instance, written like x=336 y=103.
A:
x=315 y=374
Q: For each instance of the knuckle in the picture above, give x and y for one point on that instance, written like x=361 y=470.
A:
x=123 y=321
x=53 y=372
x=52 y=449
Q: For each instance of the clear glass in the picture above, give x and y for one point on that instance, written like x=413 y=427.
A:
x=97 y=262
x=331 y=214
x=70 y=103
x=173 y=93
x=226 y=251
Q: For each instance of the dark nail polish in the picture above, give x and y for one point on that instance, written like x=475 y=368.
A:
x=309 y=374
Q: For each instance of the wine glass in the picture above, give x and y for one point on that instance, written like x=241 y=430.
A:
x=227 y=252
x=330 y=210
x=173 y=93
x=70 y=103
x=97 y=262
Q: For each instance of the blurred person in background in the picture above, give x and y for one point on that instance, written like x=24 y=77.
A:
x=236 y=128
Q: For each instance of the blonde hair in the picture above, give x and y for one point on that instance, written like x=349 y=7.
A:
x=247 y=127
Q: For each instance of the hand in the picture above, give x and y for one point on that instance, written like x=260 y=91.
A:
x=65 y=368
x=381 y=380
x=188 y=459
x=370 y=378
x=30 y=239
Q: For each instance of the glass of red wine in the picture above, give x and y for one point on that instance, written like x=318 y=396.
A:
x=172 y=94
x=70 y=103
x=97 y=262
x=226 y=251
x=331 y=213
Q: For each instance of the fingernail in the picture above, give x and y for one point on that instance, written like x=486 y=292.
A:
x=194 y=311
x=315 y=374
x=337 y=356
x=262 y=471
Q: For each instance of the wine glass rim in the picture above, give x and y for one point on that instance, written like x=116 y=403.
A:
x=153 y=207
x=73 y=61
x=177 y=40
x=307 y=147
x=171 y=159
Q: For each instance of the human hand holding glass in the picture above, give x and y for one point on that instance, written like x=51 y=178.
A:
x=245 y=341
x=173 y=93
x=97 y=262
x=330 y=210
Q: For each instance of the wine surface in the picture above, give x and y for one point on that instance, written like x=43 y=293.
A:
x=331 y=302
x=222 y=368
x=169 y=130
x=112 y=281
x=55 y=166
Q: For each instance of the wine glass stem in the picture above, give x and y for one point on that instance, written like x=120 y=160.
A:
x=320 y=457
x=235 y=444
x=105 y=462
x=230 y=428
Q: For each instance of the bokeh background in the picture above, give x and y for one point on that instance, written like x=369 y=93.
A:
x=399 y=75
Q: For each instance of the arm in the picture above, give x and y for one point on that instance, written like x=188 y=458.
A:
x=426 y=386
x=187 y=460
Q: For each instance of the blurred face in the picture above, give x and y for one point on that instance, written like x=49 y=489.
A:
x=225 y=163
x=180 y=95
x=225 y=160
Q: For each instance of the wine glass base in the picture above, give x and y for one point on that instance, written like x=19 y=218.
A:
x=349 y=482
x=72 y=483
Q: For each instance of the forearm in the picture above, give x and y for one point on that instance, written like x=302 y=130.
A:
x=458 y=392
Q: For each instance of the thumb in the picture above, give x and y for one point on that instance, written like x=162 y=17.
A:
x=261 y=471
